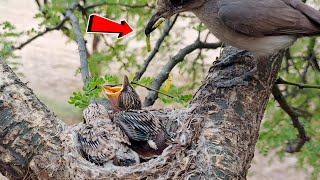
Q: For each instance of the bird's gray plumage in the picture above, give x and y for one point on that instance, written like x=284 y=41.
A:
x=260 y=26
x=268 y=17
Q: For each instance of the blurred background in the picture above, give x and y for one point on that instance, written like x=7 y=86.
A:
x=50 y=66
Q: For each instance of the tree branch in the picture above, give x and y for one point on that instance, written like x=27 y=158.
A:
x=299 y=85
x=215 y=136
x=155 y=50
x=38 y=4
x=48 y=29
x=84 y=68
x=302 y=137
x=29 y=131
x=164 y=74
x=115 y=4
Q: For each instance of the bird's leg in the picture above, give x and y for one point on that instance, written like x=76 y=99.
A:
x=231 y=59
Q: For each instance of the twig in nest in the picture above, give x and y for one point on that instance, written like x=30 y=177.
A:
x=302 y=137
x=299 y=85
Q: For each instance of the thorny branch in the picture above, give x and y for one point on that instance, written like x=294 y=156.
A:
x=84 y=69
x=302 y=137
x=155 y=49
x=164 y=74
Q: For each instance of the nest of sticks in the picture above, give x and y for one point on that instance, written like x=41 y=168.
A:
x=178 y=161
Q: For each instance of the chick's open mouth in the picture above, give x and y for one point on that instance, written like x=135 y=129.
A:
x=112 y=91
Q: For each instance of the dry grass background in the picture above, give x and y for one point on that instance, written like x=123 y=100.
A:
x=49 y=63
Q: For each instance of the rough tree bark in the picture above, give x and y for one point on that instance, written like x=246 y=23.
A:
x=215 y=135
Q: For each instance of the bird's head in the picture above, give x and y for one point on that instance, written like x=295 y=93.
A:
x=122 y=97
x=167 y=8
x=94 y=111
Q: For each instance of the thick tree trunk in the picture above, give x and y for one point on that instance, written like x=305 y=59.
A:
x=215 y=135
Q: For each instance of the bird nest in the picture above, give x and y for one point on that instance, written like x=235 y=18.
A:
x=176 y=161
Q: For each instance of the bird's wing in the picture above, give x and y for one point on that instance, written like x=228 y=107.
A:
x=92 y=144
x=269 y=17
x=139 y=125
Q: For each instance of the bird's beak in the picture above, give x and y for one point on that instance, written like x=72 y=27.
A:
x=160 y=15
x=151 y=24
x=112 y=93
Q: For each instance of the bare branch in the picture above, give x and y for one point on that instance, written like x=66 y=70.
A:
x=84 y=69
x=57 y=27
x=38 y=4
x=164 y=74
x=48 y=29
x=299 y=85
x=155 y=49
x=302 y=137
x=116 y=4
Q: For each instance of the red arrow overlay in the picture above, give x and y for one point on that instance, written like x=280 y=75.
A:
x=99 y=24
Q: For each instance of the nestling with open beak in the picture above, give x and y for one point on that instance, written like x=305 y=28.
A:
x=101 y=141
x=145 y=131
x=261 y=26
x=123 y=97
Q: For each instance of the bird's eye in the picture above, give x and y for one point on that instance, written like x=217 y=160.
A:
x=178 y=2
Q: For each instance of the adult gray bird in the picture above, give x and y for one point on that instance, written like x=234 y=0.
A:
x=261 y=26
x=101 y=141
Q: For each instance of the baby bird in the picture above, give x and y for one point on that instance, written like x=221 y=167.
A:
x=101 y=141
x=123 y=97
x=147 y=135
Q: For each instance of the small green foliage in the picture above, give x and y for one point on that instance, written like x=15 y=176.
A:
x=146 y=81
x=7 y=26
x=178 y=94
x=112 y=79
x=200 y=27
x=92 y=90
x=184 y=99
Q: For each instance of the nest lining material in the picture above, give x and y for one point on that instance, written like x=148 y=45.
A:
x=175 y=162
